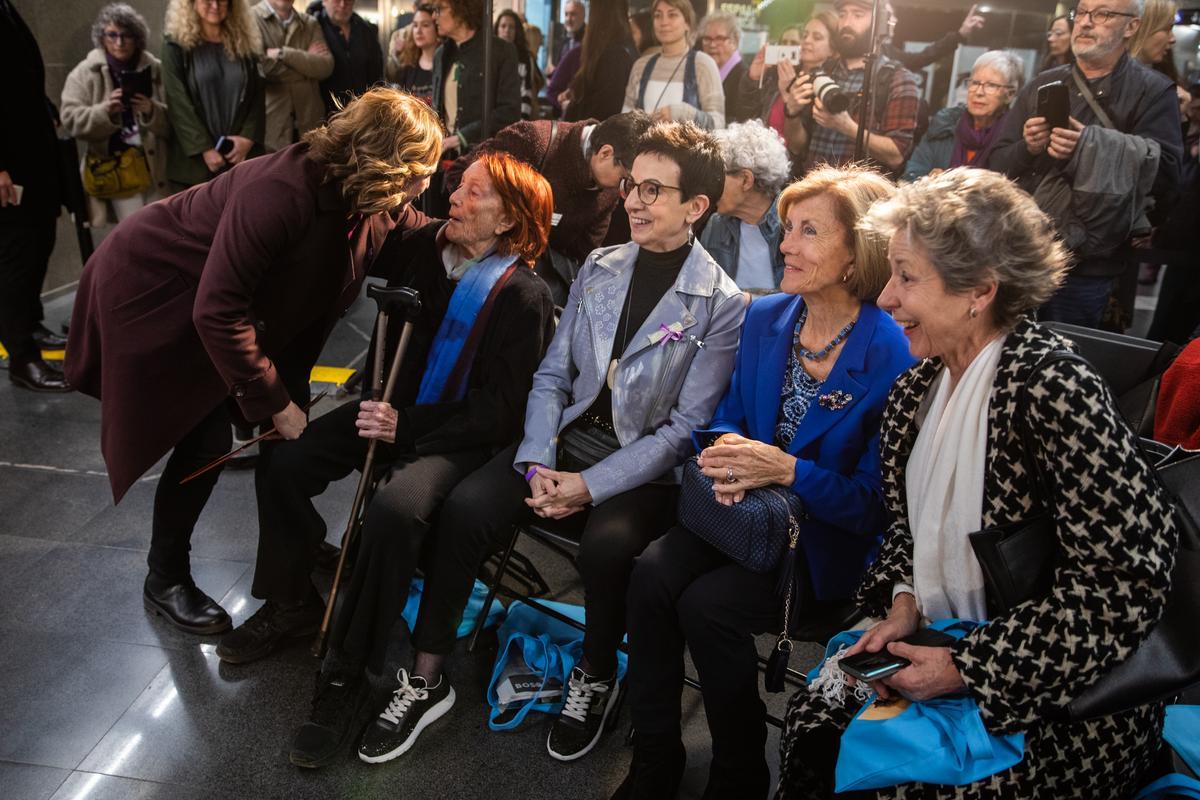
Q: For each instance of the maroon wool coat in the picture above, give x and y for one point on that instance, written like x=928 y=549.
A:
x=201 y=296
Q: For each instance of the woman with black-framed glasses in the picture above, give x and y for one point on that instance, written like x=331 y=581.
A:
x=642 y=354
x=963 y=135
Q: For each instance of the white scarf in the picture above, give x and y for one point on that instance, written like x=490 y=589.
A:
x=944 y=487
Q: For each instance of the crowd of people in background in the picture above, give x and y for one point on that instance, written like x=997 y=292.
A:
x=639 y=180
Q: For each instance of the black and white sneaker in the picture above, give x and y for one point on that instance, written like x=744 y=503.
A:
x=581 y=721
x=414 y=705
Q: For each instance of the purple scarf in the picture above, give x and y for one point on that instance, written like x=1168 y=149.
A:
x=980 y=142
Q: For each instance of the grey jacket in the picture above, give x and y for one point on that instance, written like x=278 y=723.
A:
x=722 y=237
x=937 y=147
x=664 y=389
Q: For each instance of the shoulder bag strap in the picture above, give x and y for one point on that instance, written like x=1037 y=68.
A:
x=549 y=145
x=1090 y=99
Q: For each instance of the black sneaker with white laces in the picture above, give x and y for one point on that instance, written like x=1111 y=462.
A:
x=581 y=721
x=336 y=702
x=414 y=705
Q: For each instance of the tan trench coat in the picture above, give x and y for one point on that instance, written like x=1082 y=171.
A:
x=293 y=94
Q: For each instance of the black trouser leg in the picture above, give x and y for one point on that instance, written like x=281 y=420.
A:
x=399 y=519
x=288 y=475
x=176 y=508
x=616 y=532
x=25 y=248
x=720 y=612
x=480 y=511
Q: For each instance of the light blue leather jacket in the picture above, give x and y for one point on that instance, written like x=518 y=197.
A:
x=664 y=387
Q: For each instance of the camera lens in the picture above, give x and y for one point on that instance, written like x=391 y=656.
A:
x=830 y=94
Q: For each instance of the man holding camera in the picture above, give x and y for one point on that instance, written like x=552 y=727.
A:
x=1116 y=108
x=818 y=133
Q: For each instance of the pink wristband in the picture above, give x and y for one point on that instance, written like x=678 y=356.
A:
x=532 y=471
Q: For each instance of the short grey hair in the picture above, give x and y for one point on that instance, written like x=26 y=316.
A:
x=728 y=20
x=753 y=146
x=1007 y=63
x=124 y=17
x=975 y=225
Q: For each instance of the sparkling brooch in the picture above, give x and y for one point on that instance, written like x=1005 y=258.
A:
x=835 y=400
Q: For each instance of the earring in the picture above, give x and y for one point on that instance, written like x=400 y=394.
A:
x=974 y=312
x=845 y=276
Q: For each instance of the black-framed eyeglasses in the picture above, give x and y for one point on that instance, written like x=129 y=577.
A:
x=647 y=191
x=1100 y=16
x=119 y=36
x=714 y=39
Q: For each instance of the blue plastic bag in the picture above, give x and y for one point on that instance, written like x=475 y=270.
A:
x=470 y=613
x=1181 y=730
x=1171 y=786
x=537 y=653
x=940 y=741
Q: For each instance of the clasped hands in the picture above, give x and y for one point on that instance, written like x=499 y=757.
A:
x=555 y=495
x=932 y=672
x=751 y=463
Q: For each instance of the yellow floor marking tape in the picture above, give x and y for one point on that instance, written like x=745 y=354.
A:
x=48 y=355
x=334 y=375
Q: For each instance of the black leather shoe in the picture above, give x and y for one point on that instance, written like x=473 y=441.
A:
x=47 y=339
x=269 y=628
x=186 y=607
x=37 y=376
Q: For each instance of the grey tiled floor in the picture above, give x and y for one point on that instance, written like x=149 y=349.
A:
x=100 y=700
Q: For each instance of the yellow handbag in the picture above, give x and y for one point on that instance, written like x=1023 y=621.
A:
x=122 y=175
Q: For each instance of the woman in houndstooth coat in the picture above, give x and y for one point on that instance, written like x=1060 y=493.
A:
x=970 y=256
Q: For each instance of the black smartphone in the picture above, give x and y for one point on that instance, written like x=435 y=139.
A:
x=1054 y=104
x=135 y=81
x=224 y=145
x=873 y=666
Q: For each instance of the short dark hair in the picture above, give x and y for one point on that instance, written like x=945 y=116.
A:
x=469 y=12
x=621 y=132
x=697 y=152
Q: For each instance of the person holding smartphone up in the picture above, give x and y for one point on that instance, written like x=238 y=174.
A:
x=214 y=88
x=1115 y=96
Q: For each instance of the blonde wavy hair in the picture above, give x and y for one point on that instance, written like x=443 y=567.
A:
x=239 y=31
x=378 y=146
x=1158 y=16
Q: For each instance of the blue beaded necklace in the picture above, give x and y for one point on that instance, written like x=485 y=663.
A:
x=817 y=355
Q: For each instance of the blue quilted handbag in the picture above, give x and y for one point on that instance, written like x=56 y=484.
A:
x=755 y=532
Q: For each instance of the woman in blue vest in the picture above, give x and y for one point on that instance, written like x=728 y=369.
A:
x=676 y=82
x=813 y=372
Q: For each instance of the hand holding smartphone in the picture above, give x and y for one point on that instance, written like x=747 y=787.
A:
x=1054 y=103
x=876 y=666
x=224 y=145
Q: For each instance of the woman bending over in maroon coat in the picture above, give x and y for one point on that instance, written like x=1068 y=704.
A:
x=227 y=292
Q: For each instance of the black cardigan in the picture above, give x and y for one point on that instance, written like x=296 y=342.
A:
x=492 y=412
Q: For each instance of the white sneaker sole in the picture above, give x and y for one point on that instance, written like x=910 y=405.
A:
x=612 y=702
x=432 y=715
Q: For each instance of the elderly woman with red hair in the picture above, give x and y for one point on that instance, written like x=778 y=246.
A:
x=459 y=398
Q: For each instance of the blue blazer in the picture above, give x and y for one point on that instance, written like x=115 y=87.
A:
x=837 y=451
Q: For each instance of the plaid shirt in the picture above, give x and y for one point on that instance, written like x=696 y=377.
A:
x=899 y=119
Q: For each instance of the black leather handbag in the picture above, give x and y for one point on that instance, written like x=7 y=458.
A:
x=754 y=532
x=1018 y=563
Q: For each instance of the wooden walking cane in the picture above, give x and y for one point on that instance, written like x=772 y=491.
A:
x=390 y=299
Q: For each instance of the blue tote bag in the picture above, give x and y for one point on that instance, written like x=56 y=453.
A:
x=470 y=613
x=537 y=653
x=1181 y=730
x=939 y=741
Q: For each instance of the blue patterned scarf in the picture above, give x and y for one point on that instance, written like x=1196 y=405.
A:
x=454 y=345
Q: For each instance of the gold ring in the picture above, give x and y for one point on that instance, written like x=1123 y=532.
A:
x=729 y=475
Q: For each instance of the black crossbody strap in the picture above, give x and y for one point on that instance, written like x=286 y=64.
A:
x=1090 y=99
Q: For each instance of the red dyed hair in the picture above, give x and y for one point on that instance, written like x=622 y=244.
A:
x=527 y=200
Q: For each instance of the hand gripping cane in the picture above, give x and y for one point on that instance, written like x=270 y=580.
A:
x=391 y=300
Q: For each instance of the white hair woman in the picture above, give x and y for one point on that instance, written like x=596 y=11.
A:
x=111 y=118
x=971 y=257
x=215 y=91
x=963 y=135
x=743 y=236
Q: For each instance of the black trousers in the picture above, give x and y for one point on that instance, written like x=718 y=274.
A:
x=480 y=513
x=25 y=248
x=176 y=507
x=684 y=591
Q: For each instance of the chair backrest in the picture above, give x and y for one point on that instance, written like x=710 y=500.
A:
x=1123 y=361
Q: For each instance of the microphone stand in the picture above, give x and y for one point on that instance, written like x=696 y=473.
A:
x=867 y=106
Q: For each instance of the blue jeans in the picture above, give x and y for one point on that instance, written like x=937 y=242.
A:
x=1081 y=300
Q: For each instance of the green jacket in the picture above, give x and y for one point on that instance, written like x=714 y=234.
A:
x=190 y=135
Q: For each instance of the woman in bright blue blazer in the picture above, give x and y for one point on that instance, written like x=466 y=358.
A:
x=812 y=376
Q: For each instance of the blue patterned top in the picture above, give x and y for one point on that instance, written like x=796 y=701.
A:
x=799 y=391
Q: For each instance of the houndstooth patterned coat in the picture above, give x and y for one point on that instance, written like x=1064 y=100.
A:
x=1118 y=540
